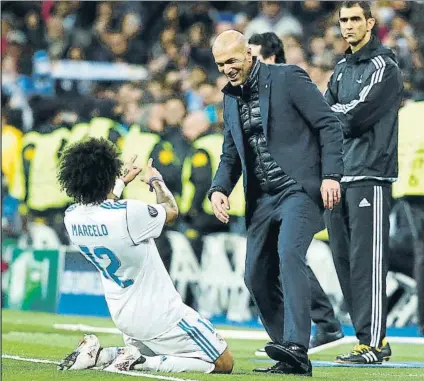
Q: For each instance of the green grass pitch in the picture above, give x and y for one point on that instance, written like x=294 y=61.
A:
x=31 y=335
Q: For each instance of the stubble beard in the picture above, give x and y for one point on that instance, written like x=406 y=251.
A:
x=357 y=42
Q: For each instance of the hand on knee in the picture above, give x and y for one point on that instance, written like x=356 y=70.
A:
x=224 y=363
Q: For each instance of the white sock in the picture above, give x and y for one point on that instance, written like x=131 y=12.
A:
x=107 y=355
x=175 y=364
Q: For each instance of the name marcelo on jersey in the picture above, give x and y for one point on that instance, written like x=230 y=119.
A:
x=89 y=230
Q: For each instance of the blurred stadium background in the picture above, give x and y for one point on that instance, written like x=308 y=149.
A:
x=142 y=75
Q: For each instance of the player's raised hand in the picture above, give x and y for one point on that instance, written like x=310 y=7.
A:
x=150 y=171
x=130 y=170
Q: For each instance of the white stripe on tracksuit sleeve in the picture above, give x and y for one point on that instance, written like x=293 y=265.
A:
x=360 y=114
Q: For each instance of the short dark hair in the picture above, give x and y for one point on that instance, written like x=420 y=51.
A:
x=365 y=5
x=270 y=45
x=88 y=170
x=256 y=39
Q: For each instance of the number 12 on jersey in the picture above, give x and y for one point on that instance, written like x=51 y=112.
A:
x=108 y=272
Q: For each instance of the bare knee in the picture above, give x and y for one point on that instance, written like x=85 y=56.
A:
x=224 y=363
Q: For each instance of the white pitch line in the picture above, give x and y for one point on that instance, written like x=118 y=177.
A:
x=333 y=344
x=87 y=328
x=137 y=374
x=19 y=358
x=133 y=374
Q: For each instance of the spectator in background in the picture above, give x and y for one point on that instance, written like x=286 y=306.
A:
x=273 y=18
x=175 y=112
x=155 y=88
x=7 y=21
x=197 y=12
x=18 y=52
x=11 y=221
x=115 y=47
x=103 y=90
x=11 y=137
x=191 y=84
x=200 y=54
x=199 y=168
x=312 y=15
x=75 y=53
x=318 y=51
x=267 y=47
x=104 y=17
x=240 y=22
x=212 y=101
x=34 y=30
x=57 y=39
x=131 y=25
x=224 y=21
x=128 y=93
x=297 y=56
x=401 y=40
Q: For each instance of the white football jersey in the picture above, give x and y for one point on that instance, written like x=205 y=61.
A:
x=117 y=237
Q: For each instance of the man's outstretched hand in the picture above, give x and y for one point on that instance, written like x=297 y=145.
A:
x=331 y=193
x=220 y=205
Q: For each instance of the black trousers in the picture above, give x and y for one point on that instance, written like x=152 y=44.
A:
x=358 y=229
x=279 y=234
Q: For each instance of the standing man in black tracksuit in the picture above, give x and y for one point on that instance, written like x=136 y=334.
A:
x=269 y=49
x=365 y=92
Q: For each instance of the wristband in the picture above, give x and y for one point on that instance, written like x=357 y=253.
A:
x=119 y=188
x=154 y=178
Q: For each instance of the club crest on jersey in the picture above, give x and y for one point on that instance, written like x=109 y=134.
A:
x=152 y=211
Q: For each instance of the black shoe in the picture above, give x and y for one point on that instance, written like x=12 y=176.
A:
x=284 y=368
x=322 y=337
x=362 y=354
x=290 y=354
x=386 y=350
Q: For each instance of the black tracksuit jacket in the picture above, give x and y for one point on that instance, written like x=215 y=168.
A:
x=365 y=91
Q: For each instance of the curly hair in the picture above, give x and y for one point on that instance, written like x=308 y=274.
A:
x=88 y=170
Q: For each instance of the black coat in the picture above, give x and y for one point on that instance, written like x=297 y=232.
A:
x=304 y=136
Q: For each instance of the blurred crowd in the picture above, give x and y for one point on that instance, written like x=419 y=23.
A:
x=173 y=40
x=179 y=102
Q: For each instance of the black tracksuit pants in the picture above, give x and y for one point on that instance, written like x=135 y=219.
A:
x=359 y=239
